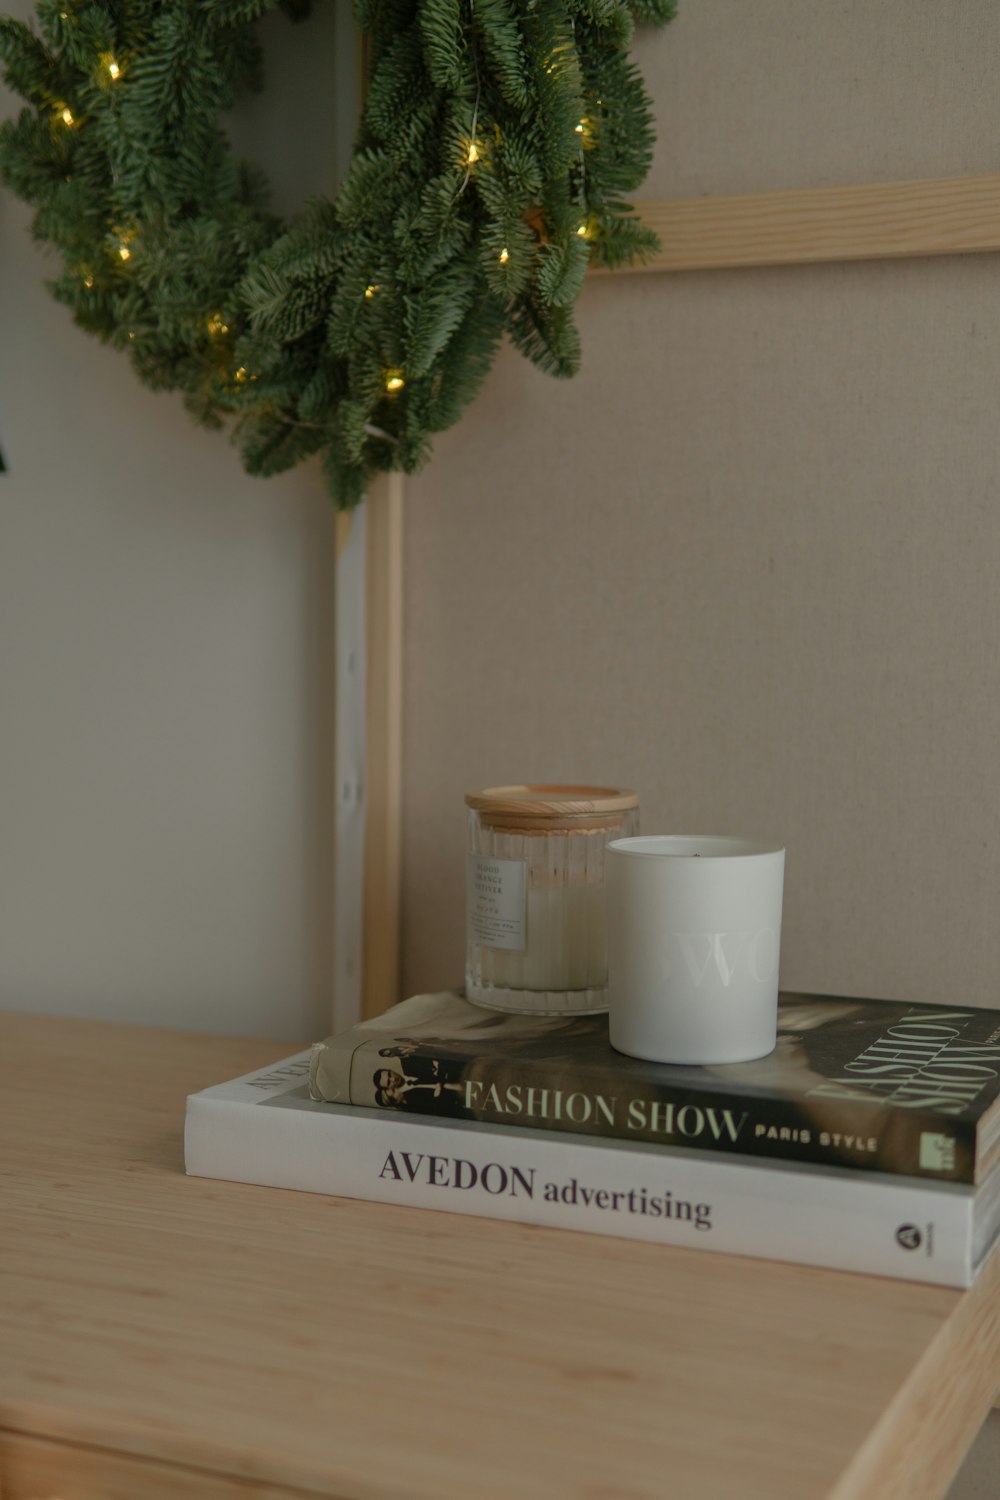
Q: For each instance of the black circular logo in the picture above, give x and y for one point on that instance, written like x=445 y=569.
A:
x=909 y=1236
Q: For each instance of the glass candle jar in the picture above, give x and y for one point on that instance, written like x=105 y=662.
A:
x=535 y=895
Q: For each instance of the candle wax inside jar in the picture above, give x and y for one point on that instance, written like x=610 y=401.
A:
x=565 y=942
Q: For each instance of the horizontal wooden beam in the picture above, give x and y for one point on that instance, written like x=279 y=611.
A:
x=874 y=221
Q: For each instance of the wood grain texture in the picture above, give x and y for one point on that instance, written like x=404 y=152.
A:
x=364 y=1351
x=873 y=221
x=39 y=1469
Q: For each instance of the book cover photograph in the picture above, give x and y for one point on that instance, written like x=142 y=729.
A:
x=874 y=1085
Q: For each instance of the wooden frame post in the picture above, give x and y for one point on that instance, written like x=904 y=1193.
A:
x=384 y=740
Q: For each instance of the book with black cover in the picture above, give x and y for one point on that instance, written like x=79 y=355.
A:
x=872 y=1085
x=263 y=1128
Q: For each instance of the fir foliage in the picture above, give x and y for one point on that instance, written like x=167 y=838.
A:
x=497 y=142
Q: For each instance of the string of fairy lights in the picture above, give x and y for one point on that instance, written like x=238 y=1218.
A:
x=112 y=73
x=536 y=119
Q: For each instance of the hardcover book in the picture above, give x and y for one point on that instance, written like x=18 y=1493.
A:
x=265 y=1129
x=871 y=1085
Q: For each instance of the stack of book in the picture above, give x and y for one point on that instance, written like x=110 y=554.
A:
x=869 y=1140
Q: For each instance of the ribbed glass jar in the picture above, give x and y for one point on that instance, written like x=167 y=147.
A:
x=535 y=895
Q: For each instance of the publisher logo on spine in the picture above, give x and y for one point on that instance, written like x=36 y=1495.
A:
x=908 y=1237
x=937 y=1152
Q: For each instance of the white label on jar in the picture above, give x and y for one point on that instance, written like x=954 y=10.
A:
x=496 y=902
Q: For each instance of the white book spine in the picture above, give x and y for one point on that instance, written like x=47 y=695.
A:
x=262 y=1130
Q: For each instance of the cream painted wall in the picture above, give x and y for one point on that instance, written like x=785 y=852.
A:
x=166 y=640
x=746 y=562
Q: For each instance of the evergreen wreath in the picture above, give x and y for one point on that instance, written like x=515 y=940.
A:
x=497 y=139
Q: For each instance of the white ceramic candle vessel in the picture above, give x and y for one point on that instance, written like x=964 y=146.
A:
x=694 y=939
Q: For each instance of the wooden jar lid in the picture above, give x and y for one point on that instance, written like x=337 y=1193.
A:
x=547 y=808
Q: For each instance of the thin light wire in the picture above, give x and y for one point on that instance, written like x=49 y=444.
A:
x=582 y=194
x=475 y=112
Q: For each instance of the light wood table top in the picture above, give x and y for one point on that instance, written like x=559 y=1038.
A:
x=249 y=1341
